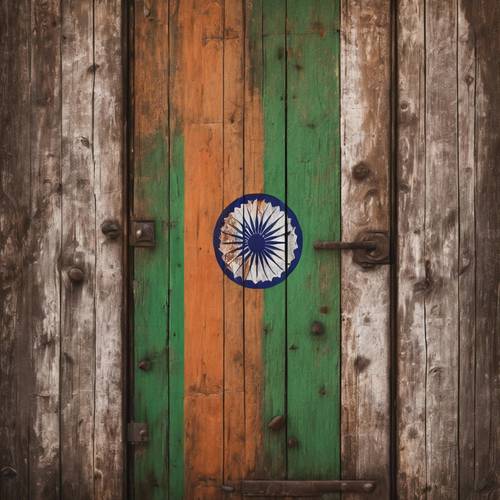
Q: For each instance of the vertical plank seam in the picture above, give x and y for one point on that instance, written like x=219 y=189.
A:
x=476 y=67
x=425 y=242
x=243 y=145
x=30 y=305
x=393 y=271
x=92 y=114
x=459 y=246
x=61 y=236
x=169 y=266
x=286 y=246
x=224 y=282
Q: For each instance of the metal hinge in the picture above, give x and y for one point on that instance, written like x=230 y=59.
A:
x=142 y=233
x=137 y=432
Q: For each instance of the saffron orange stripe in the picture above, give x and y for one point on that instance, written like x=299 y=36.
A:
x=200 y=69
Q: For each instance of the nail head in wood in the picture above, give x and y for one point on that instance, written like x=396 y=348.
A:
x=111 y=229
x=317 y=328
x=76 y=274
x=144 y=365
x=277 y=423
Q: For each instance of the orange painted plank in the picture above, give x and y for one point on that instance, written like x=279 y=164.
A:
x=200 y=69
x=253 y=183
x=234 y=349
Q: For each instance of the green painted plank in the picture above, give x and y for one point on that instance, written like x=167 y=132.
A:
x=150 y=403
x=176 y=320
x=274 y=341
x=313 y=192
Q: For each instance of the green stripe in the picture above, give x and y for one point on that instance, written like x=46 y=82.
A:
x=150 y=321
x=313 y=192
x=274 y=340
x=176 y=320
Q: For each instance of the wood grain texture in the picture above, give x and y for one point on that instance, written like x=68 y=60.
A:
x=58 y=123
x=151 y=266
x=441 y=249
x=272 y=460
x=201 y=100
x=313 y=193
x=483 y=20
x=412 y=283
x=15 y=250
x=466 y=77
x=176 y=261
x=46 y=234
x=253 y=183
x=78 y=333
x=109 y=353
x=365 y=136
x=448 y=270
x=233 y=177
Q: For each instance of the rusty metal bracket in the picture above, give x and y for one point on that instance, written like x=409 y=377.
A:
x=137 y=432
x=370 y=248
x=256 y=488
x=142 y=233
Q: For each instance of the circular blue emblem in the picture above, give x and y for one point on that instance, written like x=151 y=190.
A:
x=257 y=241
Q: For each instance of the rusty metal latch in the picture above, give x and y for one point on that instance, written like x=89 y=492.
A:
x=137 y=432
x=370 y=248
x=265 y=488
x=142 y=233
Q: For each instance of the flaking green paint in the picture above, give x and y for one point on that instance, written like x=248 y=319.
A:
x=159 y=322
x=299 y=84
x=313 y=192
x=150 y=387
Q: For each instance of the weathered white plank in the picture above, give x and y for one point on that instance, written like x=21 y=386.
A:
x=79 y=251
x=365 y=122
x=109 y=186
x=441 y=249
x=412 y=281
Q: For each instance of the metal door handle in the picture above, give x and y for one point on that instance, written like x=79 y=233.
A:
x=370 y=248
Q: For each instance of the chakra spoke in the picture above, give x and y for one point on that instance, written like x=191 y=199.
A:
x=232 y=234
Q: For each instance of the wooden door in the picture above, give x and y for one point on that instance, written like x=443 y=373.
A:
x=282 y=372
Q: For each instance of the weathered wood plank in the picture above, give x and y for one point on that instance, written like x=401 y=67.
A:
x=451 y=314
x=365 y=84
x=78 y=251
x=313 y=193
x=109 y=185
x=412 y=284
x=46 y=242
x=201 y=69
x=441 y=249
x=234 y=348
x=15 y=245
x=466 y=75
x=151 y=266
x=484 y=25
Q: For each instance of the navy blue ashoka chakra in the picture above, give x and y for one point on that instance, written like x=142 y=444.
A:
x=257 y=241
